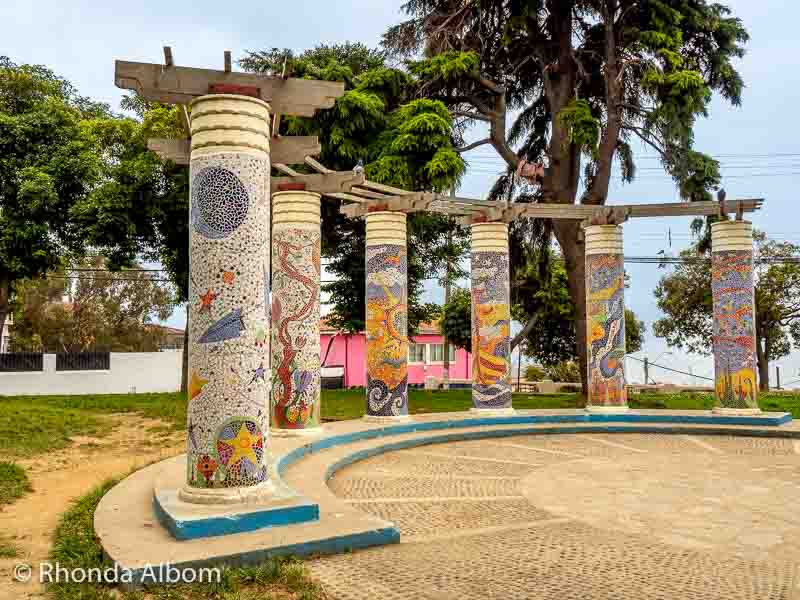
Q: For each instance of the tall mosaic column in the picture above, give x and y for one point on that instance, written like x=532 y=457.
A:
x=295 y=313
x=229 y=313
x=387 y=317
x=735 y=380
x=491 y=319
x=605 y=319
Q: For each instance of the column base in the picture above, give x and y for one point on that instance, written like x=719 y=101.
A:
x=731 y=412
x=607 y=410
x=493 y=412
x=244 y=495
x=387 y=419
x=305 y=432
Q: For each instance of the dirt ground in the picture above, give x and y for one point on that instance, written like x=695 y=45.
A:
x=61 y=476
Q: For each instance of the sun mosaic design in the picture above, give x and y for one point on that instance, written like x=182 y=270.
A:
x=606 y=329
x=295 y=332
x=491 y=320
x=734 y=333
x=387 y=330
x=229 y=374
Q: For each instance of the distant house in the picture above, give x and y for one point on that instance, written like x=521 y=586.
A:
x=5 y=335
x=425 y=355
x=172 y=337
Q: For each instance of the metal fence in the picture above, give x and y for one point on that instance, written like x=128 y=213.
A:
x=83 y=361
x=18 y=362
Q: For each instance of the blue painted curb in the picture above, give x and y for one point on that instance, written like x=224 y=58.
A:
x=291 y=457
x=347 y=543
x=192 y=529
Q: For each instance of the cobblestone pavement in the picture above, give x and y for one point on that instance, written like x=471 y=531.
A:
x=589 y=516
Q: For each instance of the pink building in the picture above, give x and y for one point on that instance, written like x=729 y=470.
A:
x=425 y=355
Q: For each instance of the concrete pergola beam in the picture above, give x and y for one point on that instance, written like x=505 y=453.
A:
x=171 y=84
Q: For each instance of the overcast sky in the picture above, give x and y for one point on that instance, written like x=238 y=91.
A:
x=756 y=143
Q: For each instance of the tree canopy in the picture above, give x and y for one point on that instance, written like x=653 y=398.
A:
x=588 y=82
x=685 y=297
x=402 y=140
x=48 y=166
x=64 y=312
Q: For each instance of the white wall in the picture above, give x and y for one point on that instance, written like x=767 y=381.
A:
x=130 y=372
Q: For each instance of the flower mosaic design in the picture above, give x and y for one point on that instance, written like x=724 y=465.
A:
x=295 y=333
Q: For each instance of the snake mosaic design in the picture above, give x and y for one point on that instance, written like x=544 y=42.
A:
x=296 y=385
x=387 y=331
x=606 y=331
x=734 y=332
x=491 y=321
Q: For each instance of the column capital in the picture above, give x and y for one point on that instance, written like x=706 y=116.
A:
x=731 y=235
x=489 y=237
x=386 y=228
x=603 y=239
x=222 y=122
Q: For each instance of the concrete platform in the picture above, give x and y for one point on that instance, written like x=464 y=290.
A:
x=131 y=534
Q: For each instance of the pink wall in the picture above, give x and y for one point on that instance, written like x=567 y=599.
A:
x=350 y=351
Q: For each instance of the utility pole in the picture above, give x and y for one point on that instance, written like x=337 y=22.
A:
x=646 y=369
x=448 y=275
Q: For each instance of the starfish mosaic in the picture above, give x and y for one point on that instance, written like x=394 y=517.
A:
x=207 y=301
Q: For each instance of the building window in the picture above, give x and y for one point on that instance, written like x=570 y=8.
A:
x=437 y=353
x=416 y=353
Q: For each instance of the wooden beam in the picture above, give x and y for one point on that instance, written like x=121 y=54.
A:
x=320 y=168
x=180 y=85
x=168 y=60
x=579 y=212
x=387 y=189
x=289 y=150
x=286 y=170
x=228 y=61
x=322 y=183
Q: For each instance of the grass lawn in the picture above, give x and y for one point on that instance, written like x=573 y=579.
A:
x=75 y=546
x=31 y=425
x=13 y=483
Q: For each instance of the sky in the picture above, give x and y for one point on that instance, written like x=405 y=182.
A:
x=757 y=143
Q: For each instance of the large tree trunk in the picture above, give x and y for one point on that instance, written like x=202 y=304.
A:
x=185 y=366
x=574 y=256
x=5 y=293
x=762 y=358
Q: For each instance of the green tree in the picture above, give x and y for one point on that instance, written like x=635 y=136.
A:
x=456 y=323
x=685 y=297
x=48 y=165
x=584 y=79
x=565 y=371
x=83 y=306
x=402 y=140
x=140 y=209
x=534 y=373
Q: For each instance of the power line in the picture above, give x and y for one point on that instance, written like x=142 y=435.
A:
x=671 y=369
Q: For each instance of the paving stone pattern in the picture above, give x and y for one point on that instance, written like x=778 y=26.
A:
x=600 y=516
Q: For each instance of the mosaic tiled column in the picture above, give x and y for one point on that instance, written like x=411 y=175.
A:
x=387 y=317
x=735 y=380
x=295 y=313
x=491 y=319
x=229 y=371
x=605 y=319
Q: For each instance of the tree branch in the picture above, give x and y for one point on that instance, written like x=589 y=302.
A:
x=524 y=332
x=474 y=145
x=598 y=192
x=470 y=115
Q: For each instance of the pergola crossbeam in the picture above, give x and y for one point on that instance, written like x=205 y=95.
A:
x=171 y=84
x=289 y=150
